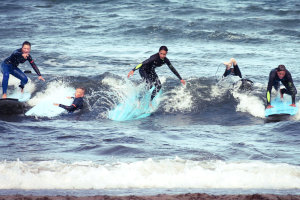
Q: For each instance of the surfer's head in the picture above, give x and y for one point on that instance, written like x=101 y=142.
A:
x=26 y=47
x=281 y=70
x=163 y=50
x=79 y=92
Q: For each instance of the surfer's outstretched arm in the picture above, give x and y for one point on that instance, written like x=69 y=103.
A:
x=168 y=62
x=175 y=71
x=132 y=71
x=77 y=103
x=36 y=69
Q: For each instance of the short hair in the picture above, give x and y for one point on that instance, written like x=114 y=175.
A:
x=82 y=88
x=163 y=48
x=281 y=68
x=26 y=43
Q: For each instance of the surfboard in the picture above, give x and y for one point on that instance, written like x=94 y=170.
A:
x=135 y=107
x=20 y=96
x=44 y=106
x=10 y=106
x=281 y=108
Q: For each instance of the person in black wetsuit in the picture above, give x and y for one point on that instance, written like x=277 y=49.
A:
x=147 y=70
x=10 y=66
x=77 y=103
x=232 y=71
x=281 y=74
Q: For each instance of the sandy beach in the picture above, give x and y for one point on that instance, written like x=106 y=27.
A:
x=159 y=197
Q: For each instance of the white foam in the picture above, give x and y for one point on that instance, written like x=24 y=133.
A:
x=56 y=92
x=176 y=173
x=297 y=116
x=177 y=99
x=250 y=104
x=13 y=81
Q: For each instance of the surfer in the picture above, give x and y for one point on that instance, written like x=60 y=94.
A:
x=147 y=70
x=281 y=74
x=235 y=71
x=10 y=66
x=246 y=84
x=77 y=103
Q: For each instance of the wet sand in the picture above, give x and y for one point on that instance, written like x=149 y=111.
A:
x=159 y=197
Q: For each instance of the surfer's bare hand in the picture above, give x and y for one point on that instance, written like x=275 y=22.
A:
x=56 y=104
x=269 y=106
x=69 y=97
x=25 y=55
x=182 y=81
x=41 y=78
x=293 y=105
x=130 y=73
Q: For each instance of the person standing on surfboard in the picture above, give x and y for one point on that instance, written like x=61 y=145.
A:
x=147 y=70
x=232 y=71
x=10 y=66
x=281 y=74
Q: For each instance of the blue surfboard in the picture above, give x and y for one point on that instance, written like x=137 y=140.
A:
x=135 y=106
x=281 y=107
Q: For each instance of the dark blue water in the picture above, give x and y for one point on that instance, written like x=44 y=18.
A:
x=204 y=136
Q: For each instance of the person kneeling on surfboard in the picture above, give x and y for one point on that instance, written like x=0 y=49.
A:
x=10 y=66
x=77 y=103
x=281 y=74
x=147 y=70
x=232 y=71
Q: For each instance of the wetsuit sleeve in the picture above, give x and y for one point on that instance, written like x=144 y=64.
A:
x=172 y=68
x=70 y=108
x=290 y=86
x=77 y=104
x=289 y=80
x=237 y=71
x=147 y=62
x=33 y=65
x=270 y=85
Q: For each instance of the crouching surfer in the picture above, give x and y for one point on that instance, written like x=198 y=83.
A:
x=277 y=75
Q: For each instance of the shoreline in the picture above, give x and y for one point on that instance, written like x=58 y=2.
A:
x=187 y=196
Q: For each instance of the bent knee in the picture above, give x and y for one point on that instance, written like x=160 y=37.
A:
x=24 y=80
x=6 y=75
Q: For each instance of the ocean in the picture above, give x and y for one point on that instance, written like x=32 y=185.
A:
x=205 y=136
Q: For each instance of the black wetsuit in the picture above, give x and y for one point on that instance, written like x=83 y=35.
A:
x=147 y=72
x=16 y=58
x=10 y=66
x=287 y=81
x=235 y=71
x=77 y=104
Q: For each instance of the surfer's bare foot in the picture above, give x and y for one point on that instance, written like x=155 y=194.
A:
x=227 y=64
x=269 y=106
x=22 y=90
x=4 y=96
x=293 y=105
